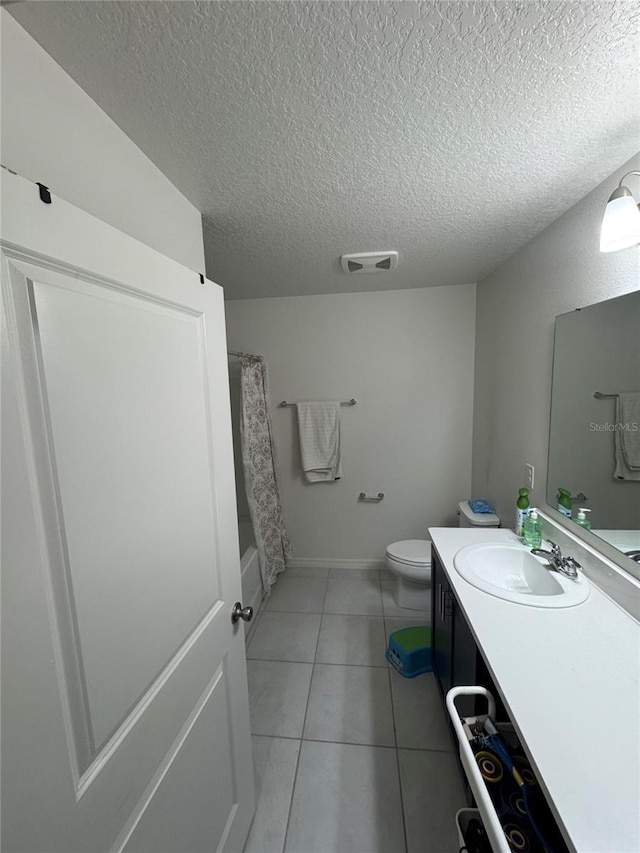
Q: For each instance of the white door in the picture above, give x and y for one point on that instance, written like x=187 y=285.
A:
x=125 y=721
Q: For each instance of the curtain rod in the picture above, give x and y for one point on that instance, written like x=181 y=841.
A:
x=245 y=355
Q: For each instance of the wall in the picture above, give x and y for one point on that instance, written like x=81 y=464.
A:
x=559 y=270
x=54 y=133
x=407 y=357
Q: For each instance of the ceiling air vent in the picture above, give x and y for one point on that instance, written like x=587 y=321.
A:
x=369 y=262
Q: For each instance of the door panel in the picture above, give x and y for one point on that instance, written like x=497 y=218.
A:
x=124 y=700
x=130 y=524
x=190 y=776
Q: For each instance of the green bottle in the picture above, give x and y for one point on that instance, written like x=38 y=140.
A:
x=522 y=510
x=564 y=502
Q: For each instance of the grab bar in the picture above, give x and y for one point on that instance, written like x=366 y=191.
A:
x=350 y=402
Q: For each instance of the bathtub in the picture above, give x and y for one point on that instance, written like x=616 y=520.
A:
x=252 y=592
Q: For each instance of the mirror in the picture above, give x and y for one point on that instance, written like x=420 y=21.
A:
x=594 y=438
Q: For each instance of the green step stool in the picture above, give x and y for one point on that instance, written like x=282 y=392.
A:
x=409 y=651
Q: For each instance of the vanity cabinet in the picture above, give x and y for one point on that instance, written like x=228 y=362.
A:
x=455 y=656
x=442 y=626
x=533 y=659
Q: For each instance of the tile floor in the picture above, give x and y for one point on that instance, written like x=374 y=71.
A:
x=349 y=756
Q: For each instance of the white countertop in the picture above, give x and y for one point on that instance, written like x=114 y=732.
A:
x=570 y=680
x=624 y=540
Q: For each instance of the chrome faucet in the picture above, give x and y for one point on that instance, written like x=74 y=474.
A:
x=567 y=566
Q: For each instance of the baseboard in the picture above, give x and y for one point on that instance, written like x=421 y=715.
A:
x=360 y=565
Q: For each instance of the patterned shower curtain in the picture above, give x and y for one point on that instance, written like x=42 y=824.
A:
x=263 y=496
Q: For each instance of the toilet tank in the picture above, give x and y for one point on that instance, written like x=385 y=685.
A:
x=468 y=518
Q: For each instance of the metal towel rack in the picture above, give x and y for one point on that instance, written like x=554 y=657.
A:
x=372 y=498
x=350 y=402
x=600 y=396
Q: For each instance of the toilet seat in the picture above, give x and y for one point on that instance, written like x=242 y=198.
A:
x=411 y=552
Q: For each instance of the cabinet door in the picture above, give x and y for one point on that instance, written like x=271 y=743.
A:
x=442 y=627
x=464 y=661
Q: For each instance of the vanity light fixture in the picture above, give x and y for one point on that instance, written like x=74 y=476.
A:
x=621 y=221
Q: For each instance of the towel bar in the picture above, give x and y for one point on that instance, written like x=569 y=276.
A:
x=373 y=498
x=350 y=402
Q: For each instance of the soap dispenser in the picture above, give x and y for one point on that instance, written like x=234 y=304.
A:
x=582 y=519
x=533 y=530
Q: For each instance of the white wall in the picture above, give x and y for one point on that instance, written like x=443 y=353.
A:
x=407 y=357
x=559 y=270
x=52 y=132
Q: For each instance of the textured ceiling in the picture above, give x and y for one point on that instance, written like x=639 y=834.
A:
x=451 y=132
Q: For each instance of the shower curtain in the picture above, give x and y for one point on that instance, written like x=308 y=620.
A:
x=263 y=496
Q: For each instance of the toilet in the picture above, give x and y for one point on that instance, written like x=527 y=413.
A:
x=410 y=561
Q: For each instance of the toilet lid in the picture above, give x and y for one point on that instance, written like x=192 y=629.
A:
x=415 y=552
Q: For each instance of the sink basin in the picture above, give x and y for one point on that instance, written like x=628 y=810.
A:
x=510 y=571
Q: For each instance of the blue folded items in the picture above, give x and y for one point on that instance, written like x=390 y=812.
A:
x=481 y=505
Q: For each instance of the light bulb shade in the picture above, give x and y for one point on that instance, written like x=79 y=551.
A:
x=621 y=222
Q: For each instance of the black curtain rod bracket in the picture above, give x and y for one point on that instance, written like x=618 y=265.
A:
x=45 y=195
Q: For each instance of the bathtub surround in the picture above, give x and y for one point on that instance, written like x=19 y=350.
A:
x=53 y=132
x=251 y=579
x=407 y=357
x=260 y=474
x=558 y=271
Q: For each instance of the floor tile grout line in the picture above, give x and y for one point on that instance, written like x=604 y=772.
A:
x=381 y=598
x=395 y=737
x=330 y=613
x=293 y=787
x=407 y=614
x=315 y=653
x=352 y=743
x=424 y=749
x=320 y=662
x=277 y=737
x=254 y=627
x=315 y=656
x=324 y=598
x=304 y=723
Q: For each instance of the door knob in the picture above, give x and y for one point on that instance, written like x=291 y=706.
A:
x=240 y=612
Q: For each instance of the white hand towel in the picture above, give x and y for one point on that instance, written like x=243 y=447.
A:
x=627 y=436
x=319 y=429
